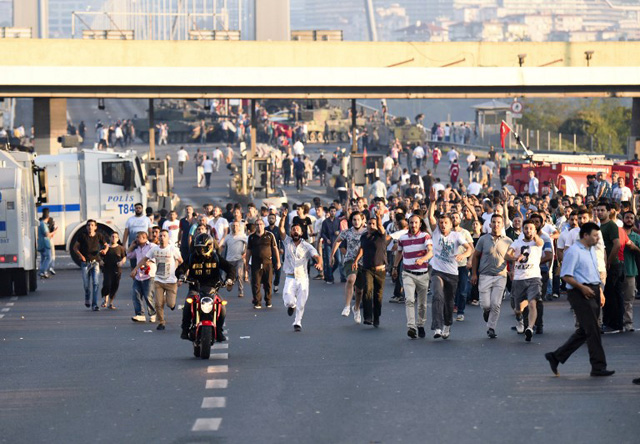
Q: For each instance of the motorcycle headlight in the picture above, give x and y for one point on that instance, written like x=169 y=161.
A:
x=206 y=305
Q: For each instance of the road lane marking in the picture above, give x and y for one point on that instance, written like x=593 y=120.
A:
x=218 y=369
x=4 y=310
x=214 y=402
x=206 y=425
x=217 y=383
x=10 y=304
x=220 y=346
x=219 y=355
x=1 y=316
x=14 y=298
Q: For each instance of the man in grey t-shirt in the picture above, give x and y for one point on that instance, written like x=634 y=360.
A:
x=489 y=263
x=235 y=248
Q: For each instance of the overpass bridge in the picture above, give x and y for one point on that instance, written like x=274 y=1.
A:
x=252 y=69
x=53 y=70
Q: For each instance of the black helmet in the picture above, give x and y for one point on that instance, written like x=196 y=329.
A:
x=203 y=245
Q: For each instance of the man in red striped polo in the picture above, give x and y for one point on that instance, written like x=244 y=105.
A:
x=415 y=251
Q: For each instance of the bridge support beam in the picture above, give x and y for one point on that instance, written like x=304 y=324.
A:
x=634 y=148
x=49 y=123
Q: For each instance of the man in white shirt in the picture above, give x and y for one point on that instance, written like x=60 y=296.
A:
x=474 y=188
x=217 y=159
x=387 y=164
x=135 y=224
x=621 y=193
x=220 y=224
x=207 y=166
x=452 y=155
x=377 y=189
x=183 y=157
x=444 y=269
x=418 y=155
x=526 y=254
x=534 y=184
x=167 y=258
x=298 y=252
x=172 y=225
x=298 y=148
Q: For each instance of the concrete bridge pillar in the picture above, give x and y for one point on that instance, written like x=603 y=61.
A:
x=49 y=122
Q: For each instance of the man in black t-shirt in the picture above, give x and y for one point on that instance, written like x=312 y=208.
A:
x=373 y=249
x=304 y=221
x=263 y=254
x=88 y=248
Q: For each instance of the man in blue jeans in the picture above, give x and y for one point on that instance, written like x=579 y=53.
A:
x=329 y=233
x=88 y=248
x=44 y=244
x=143 y=280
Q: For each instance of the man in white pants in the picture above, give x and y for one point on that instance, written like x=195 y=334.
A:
x=414 y=251
x=489 y=263
x=296 y=284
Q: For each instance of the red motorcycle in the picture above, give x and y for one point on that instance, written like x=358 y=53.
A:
x=206 y=308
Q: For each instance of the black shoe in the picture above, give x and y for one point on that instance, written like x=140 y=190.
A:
x=412 y=333
x=290 y=311
x=602 y=372
x=553 y=362
x=538 y=330
x=492 y=333
x=421 y=332
x=297 y=328
x=367 y=322
x=95 y=308
x=160 y=327
x=220 y=337
x=184 y=335
x=485 y=315
x=636 y=381
x=376 y=323
x=173 y=308
x=528 y=334
x=87 y=303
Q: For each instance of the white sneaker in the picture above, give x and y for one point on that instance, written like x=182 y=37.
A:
x=446 y=331
x=520 y=326
x=356 y=316
x=346 y=311
x=152 y=318
x=139 y=318
x=437 y=333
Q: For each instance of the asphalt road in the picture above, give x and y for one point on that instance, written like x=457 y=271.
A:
x=72 y=375
x=75 y=376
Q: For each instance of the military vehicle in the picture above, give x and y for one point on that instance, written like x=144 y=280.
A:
x=184 y=118
x=407 y=132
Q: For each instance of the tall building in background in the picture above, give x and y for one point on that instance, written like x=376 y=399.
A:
x=6 y=12
x=60 y=15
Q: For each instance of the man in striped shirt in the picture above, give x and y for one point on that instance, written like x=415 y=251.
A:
x=415 y=250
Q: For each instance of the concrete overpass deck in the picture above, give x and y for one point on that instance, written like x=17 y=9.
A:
x=206 y=69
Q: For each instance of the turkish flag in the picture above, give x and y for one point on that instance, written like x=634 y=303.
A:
x=504 y=130
x=364 y=157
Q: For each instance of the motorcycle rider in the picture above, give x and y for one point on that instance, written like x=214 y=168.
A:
x=203 y=266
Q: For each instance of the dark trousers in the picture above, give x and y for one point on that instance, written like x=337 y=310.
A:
x=613 y=310
x=207 y=179
x=443 y=286
x=261 y=274
x=587 y=312
x=461 y=291
x=398 y=288
x=372 y=297
x=110 y=283
x=326 y=259
x=299 y=182
x=276 y=277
